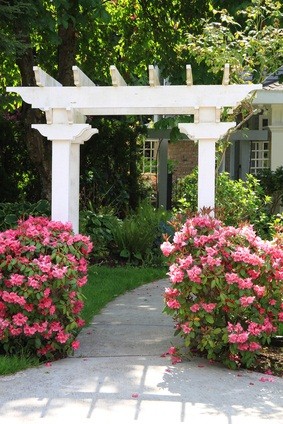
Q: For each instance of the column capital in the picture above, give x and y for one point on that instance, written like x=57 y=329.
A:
x=206 y=131
x=76 y=133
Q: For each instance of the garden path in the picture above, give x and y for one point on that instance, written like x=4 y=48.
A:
x=120 y=374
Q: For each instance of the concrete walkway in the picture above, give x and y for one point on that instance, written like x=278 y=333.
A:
x=119 y=375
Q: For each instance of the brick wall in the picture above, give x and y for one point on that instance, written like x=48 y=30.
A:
x=184 y=154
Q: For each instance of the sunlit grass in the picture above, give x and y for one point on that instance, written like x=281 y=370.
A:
x=105 y=284
x=14 y=363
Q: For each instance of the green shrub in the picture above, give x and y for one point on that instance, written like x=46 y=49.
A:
x=99 y=228
x=226 y=294
x=235 y=200
x=10 y=213
x=138 y=237
x=43 y=266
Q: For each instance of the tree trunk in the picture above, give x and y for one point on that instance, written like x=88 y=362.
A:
x=67 y=48
x=38 y=147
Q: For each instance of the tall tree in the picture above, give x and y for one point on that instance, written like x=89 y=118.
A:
x=93 y=34
x=250 y=39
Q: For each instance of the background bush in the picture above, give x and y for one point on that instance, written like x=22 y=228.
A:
x=236 y=201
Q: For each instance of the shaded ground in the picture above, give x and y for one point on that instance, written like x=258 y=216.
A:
x=270 y=361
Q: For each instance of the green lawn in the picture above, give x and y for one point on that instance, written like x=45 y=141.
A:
x=104 y=284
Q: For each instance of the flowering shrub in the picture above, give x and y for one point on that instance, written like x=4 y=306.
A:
x=226 y=293
x=43 y=265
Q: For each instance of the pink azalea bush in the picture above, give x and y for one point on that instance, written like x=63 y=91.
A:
x=226 y=292
x=43 y=266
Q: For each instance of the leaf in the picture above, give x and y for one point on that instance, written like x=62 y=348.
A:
x=209 y=319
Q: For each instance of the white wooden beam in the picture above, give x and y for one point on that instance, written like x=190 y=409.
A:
x=226 y=74
x=153 y=72
x=117 y=79
x=80 y=79
x=43 y=79
x=189 y=75
x=137 y=100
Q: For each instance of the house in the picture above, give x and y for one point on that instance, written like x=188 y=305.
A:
x=257 y=145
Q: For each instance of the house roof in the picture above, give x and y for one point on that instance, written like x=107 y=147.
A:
x=274 y=80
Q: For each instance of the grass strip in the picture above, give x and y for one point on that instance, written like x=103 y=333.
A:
x=14 y=363
x=105 y=284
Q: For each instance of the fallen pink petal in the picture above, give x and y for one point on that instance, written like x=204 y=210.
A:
x=135 y=395
x=266 y=379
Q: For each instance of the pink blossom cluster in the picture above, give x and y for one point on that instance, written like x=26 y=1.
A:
x=227 y=289
x=43 y=267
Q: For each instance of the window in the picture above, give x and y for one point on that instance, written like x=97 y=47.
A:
x=150 y=148
x=259 y=156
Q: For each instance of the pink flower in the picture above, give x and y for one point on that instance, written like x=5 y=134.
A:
x=247 y=300
x=255 y=329
x=76 y=344
x=167 y=248
x=176 y=274
x=272 y=302
x=175 y=359
x=245 y=283
x=186 y=328
x=19 y=319
x=172 y=350
x=243 y=346
x=208 y=307
x=243 y=337
x=82 y=281
x=254 y=346
x=17 y=279
x=259 y=290
x=194 y=274
x=180 y=239
x=29 y=330
x=195 y=307
x=173 y=304
x=13 y=298
x=62 y=337
x=186 y=262
x=58 y=272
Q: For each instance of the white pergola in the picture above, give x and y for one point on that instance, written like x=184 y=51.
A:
x=66 y=109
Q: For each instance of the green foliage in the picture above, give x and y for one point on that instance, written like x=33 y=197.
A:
x=138 y=237
x=236 y=200
x=11 y=213
x=99 y=228
x=272 y=184
x=110 y=177
x=250 y=40
x=17 y=174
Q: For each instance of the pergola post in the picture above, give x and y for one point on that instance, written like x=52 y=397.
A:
x=206 y=156
x=66 y=169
